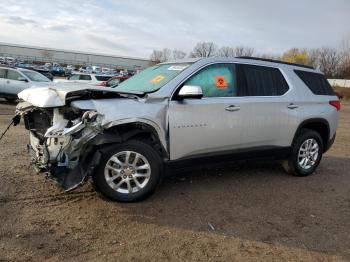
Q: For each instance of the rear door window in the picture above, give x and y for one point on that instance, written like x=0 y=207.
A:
x=13 y=75
x=317 y=83
x=253 y=80
x=215 y=80
x=74 y=77
x=2 y=73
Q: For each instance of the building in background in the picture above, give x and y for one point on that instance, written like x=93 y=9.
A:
x=34 y=54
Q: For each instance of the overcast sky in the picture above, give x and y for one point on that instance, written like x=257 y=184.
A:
x=135 y=28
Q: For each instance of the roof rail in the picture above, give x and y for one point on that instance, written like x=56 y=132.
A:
x=274 y=61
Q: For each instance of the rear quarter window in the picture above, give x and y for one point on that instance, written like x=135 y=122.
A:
x=85 y=77
x=317 y=83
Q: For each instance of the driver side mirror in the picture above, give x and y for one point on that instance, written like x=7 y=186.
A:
x=190 y=92
x=22 y=79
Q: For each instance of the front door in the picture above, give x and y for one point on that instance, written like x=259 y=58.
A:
x=210 y=124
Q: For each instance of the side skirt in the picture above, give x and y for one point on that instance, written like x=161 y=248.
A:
x=210 y=159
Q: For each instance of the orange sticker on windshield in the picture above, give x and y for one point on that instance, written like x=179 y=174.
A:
x=221 y=82
x=157 y=79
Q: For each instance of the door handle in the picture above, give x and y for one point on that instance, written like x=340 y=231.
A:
x=292 y=106
x=232 y=108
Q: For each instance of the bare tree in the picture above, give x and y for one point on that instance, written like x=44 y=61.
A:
x=345 y=62
x=166 y=54
x=156 y=56
x=244 y=51
x=178 y=54
x=159 y=56
x=204 y=49
x=313 y=57
x=226 y=51
x=329 y=61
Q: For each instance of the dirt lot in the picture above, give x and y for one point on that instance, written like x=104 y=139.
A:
x=258 y=212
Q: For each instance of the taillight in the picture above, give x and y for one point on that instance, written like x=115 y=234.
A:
x=335 y=103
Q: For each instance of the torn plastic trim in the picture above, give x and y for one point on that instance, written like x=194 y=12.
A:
x=91 y=119
x=59 y=153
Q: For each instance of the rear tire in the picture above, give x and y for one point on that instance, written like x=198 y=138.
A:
x=307 y=150
x=128 y=172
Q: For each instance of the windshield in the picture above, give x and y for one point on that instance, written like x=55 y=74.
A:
x=35 y=76
x=152 y=78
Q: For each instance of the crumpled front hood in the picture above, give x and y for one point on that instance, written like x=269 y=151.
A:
x=56 y=96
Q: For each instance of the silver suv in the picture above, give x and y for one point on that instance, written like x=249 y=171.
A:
x=173 y=115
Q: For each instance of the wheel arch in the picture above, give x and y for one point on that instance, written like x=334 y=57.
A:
x=117 y=132
x=319 y=125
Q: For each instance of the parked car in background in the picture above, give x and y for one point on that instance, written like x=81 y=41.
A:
x=57 y=70
x=106 y=70
x=71 y=67
x=2 y=60
x=10 y=60
x=15 y=80
x=84 y=78
x=86 y=69
x=114 y=81
x=96 y=69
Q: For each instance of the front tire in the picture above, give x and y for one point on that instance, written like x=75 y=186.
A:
x=128 y=172
x=306 y=154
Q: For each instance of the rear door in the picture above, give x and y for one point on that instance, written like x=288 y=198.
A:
x=268 y=110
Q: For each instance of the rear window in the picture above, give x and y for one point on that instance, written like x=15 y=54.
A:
x=317 y=83
x=102 y=78
x=255 y=80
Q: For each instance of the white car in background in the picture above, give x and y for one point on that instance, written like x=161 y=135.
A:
x=10 y=60
x=15 y=80
x=84 y=78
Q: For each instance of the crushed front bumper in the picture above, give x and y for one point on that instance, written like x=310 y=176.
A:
x=61 y=151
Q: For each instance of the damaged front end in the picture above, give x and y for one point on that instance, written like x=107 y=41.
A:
x=59 y=141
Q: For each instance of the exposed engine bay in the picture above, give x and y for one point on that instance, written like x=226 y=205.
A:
x=58 y=137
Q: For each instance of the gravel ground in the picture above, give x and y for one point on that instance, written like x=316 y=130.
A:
x=247 y=211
